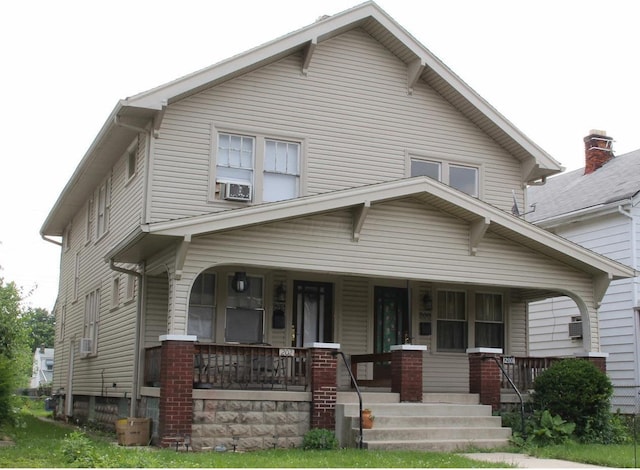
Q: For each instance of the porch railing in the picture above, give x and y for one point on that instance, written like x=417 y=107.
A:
x=524 y=370
x=250 y=366
x=380 y=369
x=239 y=367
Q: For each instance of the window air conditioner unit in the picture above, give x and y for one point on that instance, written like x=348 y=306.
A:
x=575 y=329
x=237 y=192
x=86 y=346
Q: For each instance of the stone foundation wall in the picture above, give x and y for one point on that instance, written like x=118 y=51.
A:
x=257 y=423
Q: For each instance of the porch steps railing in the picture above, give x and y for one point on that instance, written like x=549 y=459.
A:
x=442 y=422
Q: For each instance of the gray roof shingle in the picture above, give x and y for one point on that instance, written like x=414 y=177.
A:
x=617 y=180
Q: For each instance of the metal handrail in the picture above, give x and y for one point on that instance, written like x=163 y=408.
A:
x=515 y=389
x=355 y=385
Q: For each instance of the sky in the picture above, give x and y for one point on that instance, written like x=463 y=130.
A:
x=554 y=68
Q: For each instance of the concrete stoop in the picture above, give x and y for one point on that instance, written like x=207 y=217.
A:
x=442 y=422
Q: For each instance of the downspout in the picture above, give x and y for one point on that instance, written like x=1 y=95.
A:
x=136 y=354
x=634 y=290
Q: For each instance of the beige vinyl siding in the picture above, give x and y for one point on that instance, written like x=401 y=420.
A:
x=354 y=328
x=116 y=331
x=516 y=327
x=445 y=373
x=353 y=111
x=157 y=306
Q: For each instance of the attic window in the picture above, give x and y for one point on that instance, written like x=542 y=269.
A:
x=462 y=177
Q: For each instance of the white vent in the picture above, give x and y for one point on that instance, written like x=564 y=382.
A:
x=575 y=329
x=237 y=192
x=86 y=346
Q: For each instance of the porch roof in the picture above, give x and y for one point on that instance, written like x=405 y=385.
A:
x=151 y=238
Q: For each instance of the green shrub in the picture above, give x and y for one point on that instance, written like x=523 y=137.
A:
x=79 y=450
x=579 y=393
x=8 y=401
x=319 y=439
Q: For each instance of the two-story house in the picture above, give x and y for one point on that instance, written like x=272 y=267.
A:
x=595 y=206
x=233 y=238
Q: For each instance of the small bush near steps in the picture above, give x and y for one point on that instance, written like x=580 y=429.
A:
x=319 y=439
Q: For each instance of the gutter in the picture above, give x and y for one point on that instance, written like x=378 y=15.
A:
x=136 y=355
x=50 y=240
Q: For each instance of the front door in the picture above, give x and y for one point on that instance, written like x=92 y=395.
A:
x=391 y=318
x=313 y=313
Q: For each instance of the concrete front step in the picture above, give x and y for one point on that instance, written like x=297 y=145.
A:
x=407 y=434
x=418 y=409
x=437 y=445
x=433 y=421
x=441 y=422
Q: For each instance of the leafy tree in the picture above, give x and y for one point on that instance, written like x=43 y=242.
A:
x=15 y=352
x=41 y=326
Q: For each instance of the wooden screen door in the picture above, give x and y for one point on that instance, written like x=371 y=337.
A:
x=391 y=318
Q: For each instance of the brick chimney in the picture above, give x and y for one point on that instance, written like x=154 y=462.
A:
x=598 y=150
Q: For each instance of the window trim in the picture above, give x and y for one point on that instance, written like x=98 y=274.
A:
x=470 y=314
x=131 y=152
x=445 y=164
x=106 y=211
x=260 y=135
x=91 y=319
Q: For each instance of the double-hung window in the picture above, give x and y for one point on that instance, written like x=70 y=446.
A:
x=281 y=170
x=235 y=158
x=452 y=321
x=270 y=166
x=202 y=307
x=103 y=208
x=462 y=177
x=489 y=324
x=244 y=316
x=92 y=319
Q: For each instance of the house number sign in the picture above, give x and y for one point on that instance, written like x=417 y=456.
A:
x=508 y=360
x=286 y=352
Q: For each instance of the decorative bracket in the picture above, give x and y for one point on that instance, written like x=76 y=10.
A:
x=600 y=285
x=181 y=255
x=414 y=70
x=359 y=216
x=157 y=119
x=308 y=54
x=477 y=229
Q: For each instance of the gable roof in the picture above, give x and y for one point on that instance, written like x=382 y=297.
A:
x=480 y=215
x=133 y=114
x=574 y=193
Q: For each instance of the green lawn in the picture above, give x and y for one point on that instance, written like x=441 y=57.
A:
x=43 y=443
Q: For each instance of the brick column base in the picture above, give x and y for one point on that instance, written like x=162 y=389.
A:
x=176 y=387
x=324 y=385
x=484 y=375
x=597 y=359
x=406 y=371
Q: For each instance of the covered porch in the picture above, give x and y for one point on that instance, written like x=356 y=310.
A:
x=248 y=300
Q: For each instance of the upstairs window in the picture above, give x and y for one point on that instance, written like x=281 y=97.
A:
x=281 y=170
x=462 y=177
x=268 y=169
x=103 y=208
x=235 y=158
